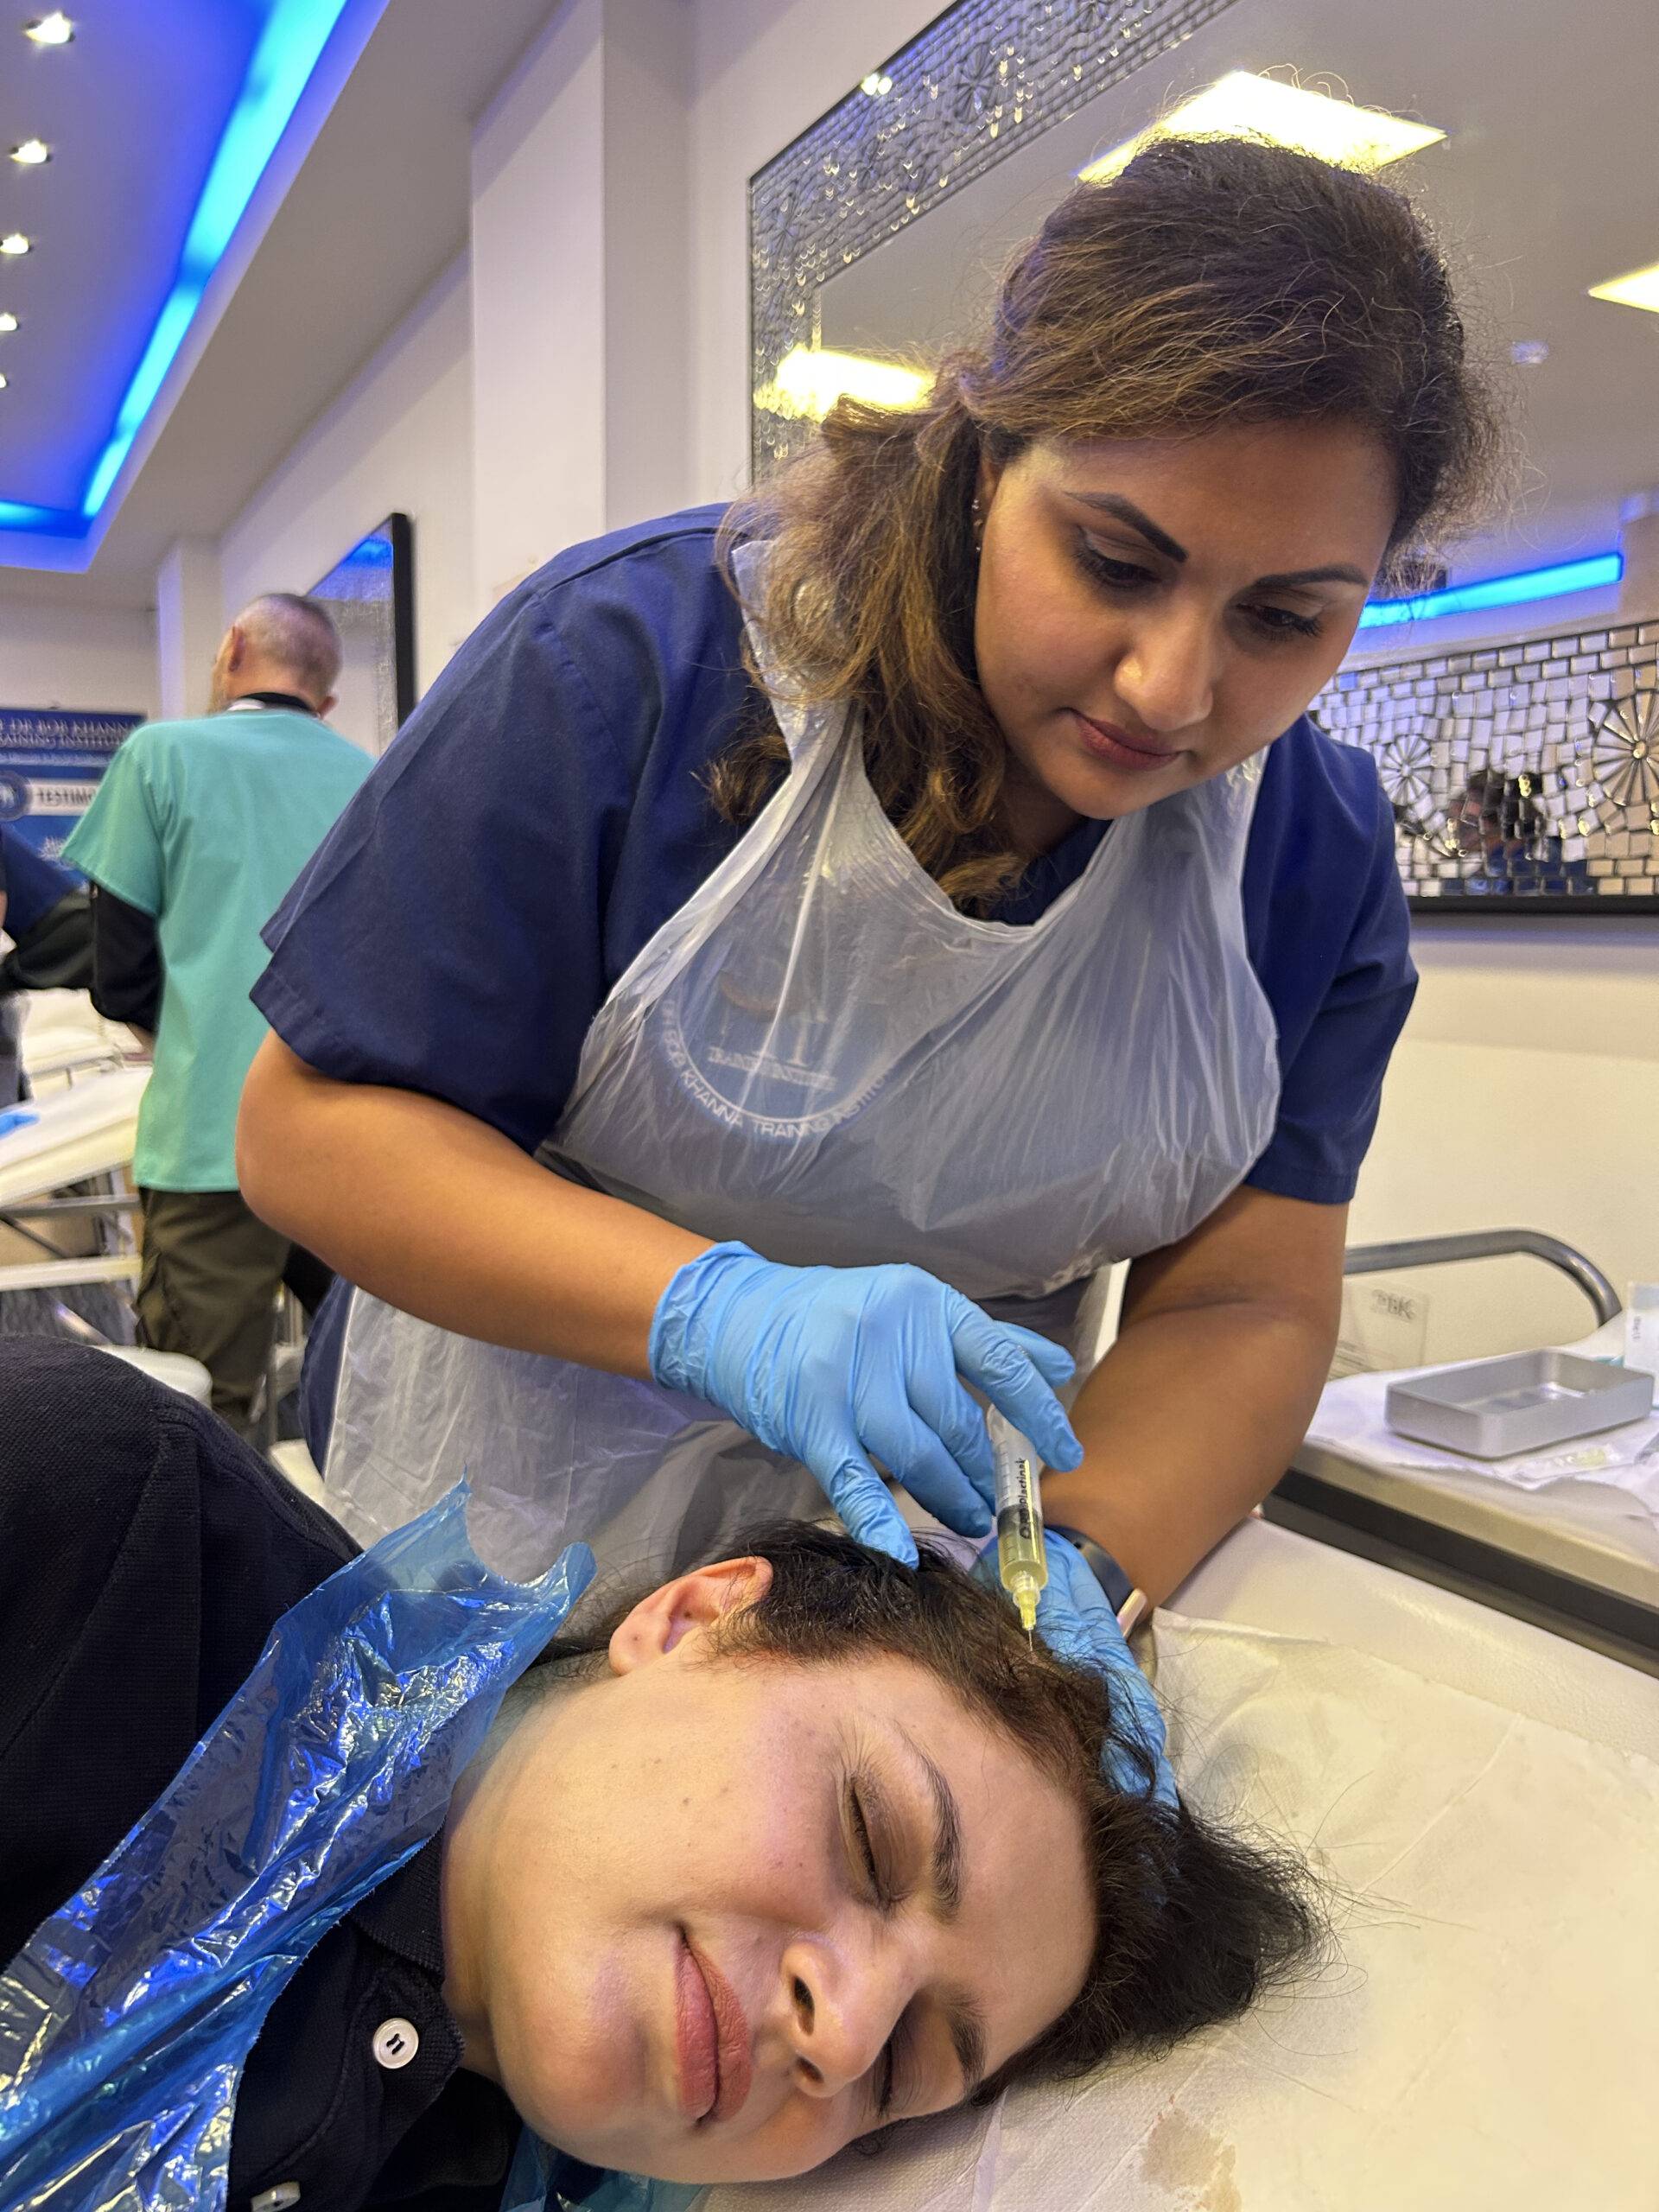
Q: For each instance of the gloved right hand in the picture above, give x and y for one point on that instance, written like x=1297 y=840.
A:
x=835 y=1366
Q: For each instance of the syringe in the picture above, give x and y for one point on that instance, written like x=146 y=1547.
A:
x=1022 y=1553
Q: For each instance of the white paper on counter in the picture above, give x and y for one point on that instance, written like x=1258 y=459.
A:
x=1598 y=1486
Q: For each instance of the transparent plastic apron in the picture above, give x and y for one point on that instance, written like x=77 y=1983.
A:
x=126 y=2020
x=819 y=1055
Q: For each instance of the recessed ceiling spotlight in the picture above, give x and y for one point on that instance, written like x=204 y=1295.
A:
x=3 y=383
x=876 y=85
x=32 y=152
x=14 y=243
x=7 y=320
x=1529 y=353
x=54 y=29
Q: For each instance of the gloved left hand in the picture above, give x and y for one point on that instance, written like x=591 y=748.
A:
x=1075 y=1620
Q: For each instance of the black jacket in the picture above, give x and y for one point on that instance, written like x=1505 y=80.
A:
x=144 y=1553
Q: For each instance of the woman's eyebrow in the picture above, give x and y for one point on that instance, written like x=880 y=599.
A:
x=1112 y=503
x=962 y=2017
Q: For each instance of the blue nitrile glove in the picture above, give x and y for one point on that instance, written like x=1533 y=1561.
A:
x=1075 y=1620
x=835 y=1366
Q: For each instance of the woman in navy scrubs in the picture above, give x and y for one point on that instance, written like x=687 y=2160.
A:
x=887 y=902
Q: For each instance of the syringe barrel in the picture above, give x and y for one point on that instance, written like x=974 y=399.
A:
x=1022 y=1553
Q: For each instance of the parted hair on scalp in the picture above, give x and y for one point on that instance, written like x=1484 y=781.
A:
x=1214 y=283
x=1192 y=1923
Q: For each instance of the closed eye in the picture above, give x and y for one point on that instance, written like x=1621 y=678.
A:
x=1116 y=576
x=1274 y=624
x=884 y=2072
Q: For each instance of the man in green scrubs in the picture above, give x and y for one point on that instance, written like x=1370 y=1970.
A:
x=196 y=833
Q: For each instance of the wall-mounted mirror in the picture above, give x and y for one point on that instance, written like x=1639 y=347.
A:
x=1515 y=715
x=370 y=591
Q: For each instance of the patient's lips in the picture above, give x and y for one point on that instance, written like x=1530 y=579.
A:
x=715 y=2046
x=696 y=2037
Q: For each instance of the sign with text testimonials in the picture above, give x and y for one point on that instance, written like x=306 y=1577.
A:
x=50 y=765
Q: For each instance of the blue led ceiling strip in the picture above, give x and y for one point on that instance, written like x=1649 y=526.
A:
x=1498 y=591
x=290 y=48
x=295 y=35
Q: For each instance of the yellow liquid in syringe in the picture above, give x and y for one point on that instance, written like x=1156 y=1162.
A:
x=1022 y=1553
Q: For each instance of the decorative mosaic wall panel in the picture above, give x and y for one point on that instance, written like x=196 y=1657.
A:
x=977 y=83
x=1527 y=771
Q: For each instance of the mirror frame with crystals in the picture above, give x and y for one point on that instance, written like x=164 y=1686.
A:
x=1522 y=761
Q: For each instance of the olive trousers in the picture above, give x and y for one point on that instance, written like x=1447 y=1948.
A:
x=208 y=1287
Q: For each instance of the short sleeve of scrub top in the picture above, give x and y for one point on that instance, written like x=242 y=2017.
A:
x=118 y=840
x=546 y=810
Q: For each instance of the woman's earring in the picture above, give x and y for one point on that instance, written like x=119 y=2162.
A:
x=978 y=513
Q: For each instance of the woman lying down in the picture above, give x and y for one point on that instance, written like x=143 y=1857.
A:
x=797 y=1846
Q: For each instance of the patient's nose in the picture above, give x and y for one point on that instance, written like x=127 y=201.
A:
x=842 y=2008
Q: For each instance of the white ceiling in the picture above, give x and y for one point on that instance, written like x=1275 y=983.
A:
x=378 y=209
x=1546 y=185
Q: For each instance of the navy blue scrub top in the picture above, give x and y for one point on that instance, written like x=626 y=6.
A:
x=545 y=810
x=31 y=884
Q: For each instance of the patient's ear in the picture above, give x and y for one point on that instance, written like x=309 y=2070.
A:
x=684 y=1607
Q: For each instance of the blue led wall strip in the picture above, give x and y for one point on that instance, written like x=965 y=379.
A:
x=1498 y=591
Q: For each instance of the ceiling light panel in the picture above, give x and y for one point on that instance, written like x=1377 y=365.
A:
x=7 y=320
x=14 y=244
x=1639 y=289
x=809 y=381
x=1243 y=106
x=31 y=153
x=54 y=29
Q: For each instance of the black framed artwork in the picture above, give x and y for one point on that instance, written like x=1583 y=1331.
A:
x=370 y=592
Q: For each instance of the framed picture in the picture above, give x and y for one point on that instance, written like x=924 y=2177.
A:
x=51 y=763
x=370 y=591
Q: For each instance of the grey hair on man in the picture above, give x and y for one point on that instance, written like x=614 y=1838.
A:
x=280 y=642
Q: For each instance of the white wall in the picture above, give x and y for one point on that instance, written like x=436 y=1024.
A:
x=1524 y=1093
x=580 y=250
x=88 y=659
x=399 y=436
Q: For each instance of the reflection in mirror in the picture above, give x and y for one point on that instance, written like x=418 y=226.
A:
x=370 y=594
x=1513 y=704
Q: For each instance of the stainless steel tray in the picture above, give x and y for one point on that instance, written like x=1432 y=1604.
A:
x=1524 y=1402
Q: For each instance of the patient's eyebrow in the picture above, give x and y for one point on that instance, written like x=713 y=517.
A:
x=962 y=2017
x=967 y=2025
x=946 y=1870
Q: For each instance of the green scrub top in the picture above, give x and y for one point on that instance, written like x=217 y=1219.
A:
x=204 y=825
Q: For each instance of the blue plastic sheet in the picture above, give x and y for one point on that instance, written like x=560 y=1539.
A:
x=126 y=2020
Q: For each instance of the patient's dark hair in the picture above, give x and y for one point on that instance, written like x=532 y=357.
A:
x=1191 y=1923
